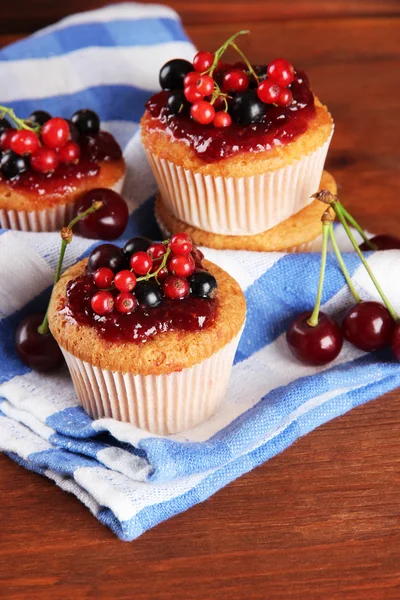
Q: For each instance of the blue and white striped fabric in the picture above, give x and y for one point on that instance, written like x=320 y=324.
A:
x=131 y=480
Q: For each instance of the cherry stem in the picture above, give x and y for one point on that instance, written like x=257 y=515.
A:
x=66 y=238
x=356 y=226
x=249 y=67
x=313 y=320
x=20 y=123
x=342 y=265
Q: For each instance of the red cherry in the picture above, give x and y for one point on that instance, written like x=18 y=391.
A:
x=180 y=265
x=44 y=160
x=222 y=119
x=125 y=281
x=103 y=278
x=192 y=94
x=281 y=71
x=6 y=137
x=126 y=303
x=317 y=345
x=55 y=132
x=109 y=221
x=268 y=92
x=285 y=98
x=181 y=244
x=141 y=262
x=176 y=288
x=24 y=142
x=39 y=351
x=203 y=61
x=70 y=153
x=382 y=242
x=235 y=80
x=368 y=325
x=396 y=342
x=203 y=112
x=102 y=303
x=191 y=79
x=156 y=250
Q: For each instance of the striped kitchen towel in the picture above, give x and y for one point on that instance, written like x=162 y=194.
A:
x=129 y=479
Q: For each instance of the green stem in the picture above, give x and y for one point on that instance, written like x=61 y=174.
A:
x=356 y=226
x=342 y=265
x=339 y=212
x=19 y=123
x=162 y=265
x=313 y=320
x=249 y=67
x=223 y=48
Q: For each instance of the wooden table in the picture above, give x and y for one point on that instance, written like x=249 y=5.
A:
x=321 y=520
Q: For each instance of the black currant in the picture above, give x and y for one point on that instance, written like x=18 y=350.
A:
x=12 y=164
x=148 y=293
x=203 y=284
x=73 y=130
x=106 y=255
x=173 y=73
x=136 y=244
x=177 y=103
x=246 y=108
x=39 y=117
x=87 y=121
x=4 y=124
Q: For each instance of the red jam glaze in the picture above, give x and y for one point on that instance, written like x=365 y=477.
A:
x=93 y=150
x=280 y=125
x=190 y=314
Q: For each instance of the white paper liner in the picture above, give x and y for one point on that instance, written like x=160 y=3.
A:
x=239 y=205
x=161 y=404
x=48 y=219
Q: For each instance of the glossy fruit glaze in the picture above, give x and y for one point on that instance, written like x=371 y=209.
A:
x=101 y=147
x=190 y=314
x=278 y=127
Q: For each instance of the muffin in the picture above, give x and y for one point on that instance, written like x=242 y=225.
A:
x=39 y=188
x=247 y=165
x=158 y=356
x=299 y=233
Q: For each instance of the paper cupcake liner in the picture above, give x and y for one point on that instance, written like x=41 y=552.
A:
x=161 y=404
x=239 y=205
x=48 y=219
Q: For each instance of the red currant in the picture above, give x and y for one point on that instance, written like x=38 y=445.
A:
x=191 y=79
x=203 y=61
x=126 y=303
x=180 y=265
x=235 y=80
x=268 y=92
x=55 y=133
x=203 y=112
x=192 y=94
x=181 y=244
x=222 y=119
x=156 y=250
x=44 y=160
x=70 y=153
x=162 y=274
x=205 y=85
x=285 y=97
x=103 y=278
x=176 y=288
x=6 y=137
x=125 y=281
x=281 y=71
x=102 y=303
x=141 y=262
x=24 y=142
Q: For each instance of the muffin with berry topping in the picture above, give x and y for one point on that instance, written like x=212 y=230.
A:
x=235 y=149
x=48 y=163
x=149 y=332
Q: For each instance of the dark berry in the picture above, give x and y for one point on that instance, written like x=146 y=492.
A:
x=125 y=281
x=125 y=303
x=74 y=133
x=148 y=293
x=203 y=61
x=136 y=244
x=246 y=108
x=141 y=263
x=107 y=223
x=44 y=160
x=281 y=71
x=203 y=284
x=106 y=255
x=317 y=345
x=181 y=265
x=173 y=73
x=103 y=278
x=39 y=352
x=177 y=103
x=368 y=326
x=176 y=288
x=87 y=121
x=55 y=133
x=39 y=117
x=4 y=124
x=382 y=242
x=102 y=146
x=102 y=303
x=12 y=164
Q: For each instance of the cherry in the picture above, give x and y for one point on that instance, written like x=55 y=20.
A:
x=126 y=303
x=86 y=121
x=203 y=112
x=39 y=351
x=156 y=250
x=317 y=345
x=246 y=108
x=102 y=303
x=180 y=265
x=368 y=326
x=106 y=255
x=235 y=80
x=141 y=263
x=285 y=98
x=6 y=137
x=125 y=281
x=173 y=73
x=12 y=164
x=44 y=160
x=55 y=132
x=203 y=284
x=181 y=244
x=176 y=288
x=222 y=119
x=107 y=223
x=39 y=116
x=136 y=244
x=396 y=342
x=177 y=103
x=24 y=142
x=281 y=71
x=203 y=61
x=192 y=94
x=148 y=293
x=269 y=92
x=70 y=153
x=103 y=278
x=382 y=242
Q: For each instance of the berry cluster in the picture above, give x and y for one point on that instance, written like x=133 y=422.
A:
x=42 y=142
x=144 y=272
x=221 y=94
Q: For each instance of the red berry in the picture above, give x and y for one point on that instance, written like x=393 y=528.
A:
x=268 y=92
x=192 y=94
x=70 y=153
x=103 y=278
x=285 y=97
x=44 y=160
x=162 y=274
x=102 y=303
x=235 y=80
x=281 y=71
x=156 y=250
x=205 y=85
x=126 y=303
x=125 y=281
x=141 y=262
x=203 y=61
x=181 y=244
x=6 y=137
x=24 y=142
x=55 y=133
x=368 y=325
x=222 y=119
x=176 y=288
x=317 y=345
x=382 y=242
x=183 y=266
x=191 y=79
x=203 y=112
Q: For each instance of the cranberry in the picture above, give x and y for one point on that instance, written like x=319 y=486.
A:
x=281 y=71
x=103 y=278
x=285 y=98
x=39 y=351
x=268 y=92
x=156 y=250
x=109 y=221
x=235 y=80
x=102 y=303
x=44 y=160
x=382 y=242
x=125 y=281
x=70 y=153
x=181 y=244
x=176 y=288
x=106 y=255
x=203 y=112
x=183 y=266
x=192 y=94
x=141 y=263
x=368 y=325
x=222 y=119
x=396 y=342
x=203 y=61
x=125 y=303
x=24 y=142
x=55 y=133
x=317 y=345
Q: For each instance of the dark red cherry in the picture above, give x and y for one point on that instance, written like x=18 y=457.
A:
x=39 y=352
x=317 y=345
x=107 y=223
x=368 y=326
x=396 y=342
x=382 y=242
